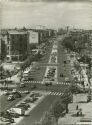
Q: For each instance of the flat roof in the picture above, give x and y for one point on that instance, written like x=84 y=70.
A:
x=17 y=32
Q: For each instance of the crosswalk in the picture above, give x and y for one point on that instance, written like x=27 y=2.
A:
x=58 y=93
x=55 y=93
x=41 y=82
x=64 y=83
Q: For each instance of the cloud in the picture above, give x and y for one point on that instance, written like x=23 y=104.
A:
x=50 y=0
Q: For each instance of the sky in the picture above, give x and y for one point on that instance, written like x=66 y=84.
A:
x=49 y=14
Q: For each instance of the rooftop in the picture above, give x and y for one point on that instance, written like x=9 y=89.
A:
x=17 y=32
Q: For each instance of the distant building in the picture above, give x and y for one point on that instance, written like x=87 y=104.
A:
x=2 y=48
x=37 y=36
x=14 y=43
x=33 y=37
x=17 y=45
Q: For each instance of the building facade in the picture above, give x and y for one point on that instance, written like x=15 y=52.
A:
x=17 y=45
x=33 y=37
x=2 y=48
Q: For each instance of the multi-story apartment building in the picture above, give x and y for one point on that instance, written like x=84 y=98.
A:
x=33 y=37
x=2 y=48
x=17 y=45
x=16 y=42
x=39 y=36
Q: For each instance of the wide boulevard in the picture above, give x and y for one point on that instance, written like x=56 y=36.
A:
x=54 y=91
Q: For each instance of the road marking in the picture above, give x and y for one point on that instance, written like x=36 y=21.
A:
x=33 y=81
x=41 y=82
x=63 y=83
x=55 y=93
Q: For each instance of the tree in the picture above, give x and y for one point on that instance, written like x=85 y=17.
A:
x=46 y=120
x=57 y=110
x=66 y=98
x=8 y=73
x=37 y=123
x=2 y=72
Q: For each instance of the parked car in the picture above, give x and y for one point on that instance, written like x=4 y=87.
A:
x=6 y=92
x=22 y=85
x=28 y=100
x=10 y=98
x=48 y=83
x=5 y=115
x=16 y=112
x=13 y=114
x=33 y=86
x=23 y=105
x=28 y=79
x=17 y=95
x=37 y=94
x=7 y=120
x=33 y=99
x=14 y=90
x=25 y=92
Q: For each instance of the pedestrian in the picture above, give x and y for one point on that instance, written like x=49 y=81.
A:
x=60 y=75
x=77 y=107
x=77 y=114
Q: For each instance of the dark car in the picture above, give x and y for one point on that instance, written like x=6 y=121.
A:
x=28 y=78
x=33 y=86
x=17 y=95
x=48 y=83
x=25 y=106
x=28 y=100
x=9 y=115
x=7 y=120
x=10 y=97
x=22 y=85
x=64 y=62
x=13 y=114
x=33 y=99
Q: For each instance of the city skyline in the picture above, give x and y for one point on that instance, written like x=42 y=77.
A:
x=51 y=15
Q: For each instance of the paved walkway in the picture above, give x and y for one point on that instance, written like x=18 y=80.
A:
x=71 y=117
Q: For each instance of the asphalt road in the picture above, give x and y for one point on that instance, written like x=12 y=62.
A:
x=38 y=76
x=38 y=111
x=36 y=114
x=63 y=68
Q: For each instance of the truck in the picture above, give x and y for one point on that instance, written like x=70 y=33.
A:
x=19 y=111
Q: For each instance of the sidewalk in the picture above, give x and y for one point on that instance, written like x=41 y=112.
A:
x=72 y=118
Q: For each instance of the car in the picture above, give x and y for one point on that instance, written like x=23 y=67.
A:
x=22 y=85
x=7 y=120
x=37 y=68
x=28 y=100
x=86 y=120
x=6 y=92
x=25 y=92
x=33 y=86
x=4 y=88
x=13 y=114
x=32 y=94
x=37 y=94
x=30 y=78
x=33 y=99
x=17 y=95
x=5 y=114
x=67 y=79
x=48 y=83
x=10 y=98
x=52 y=79
x=14 y=90
x=23 y=105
